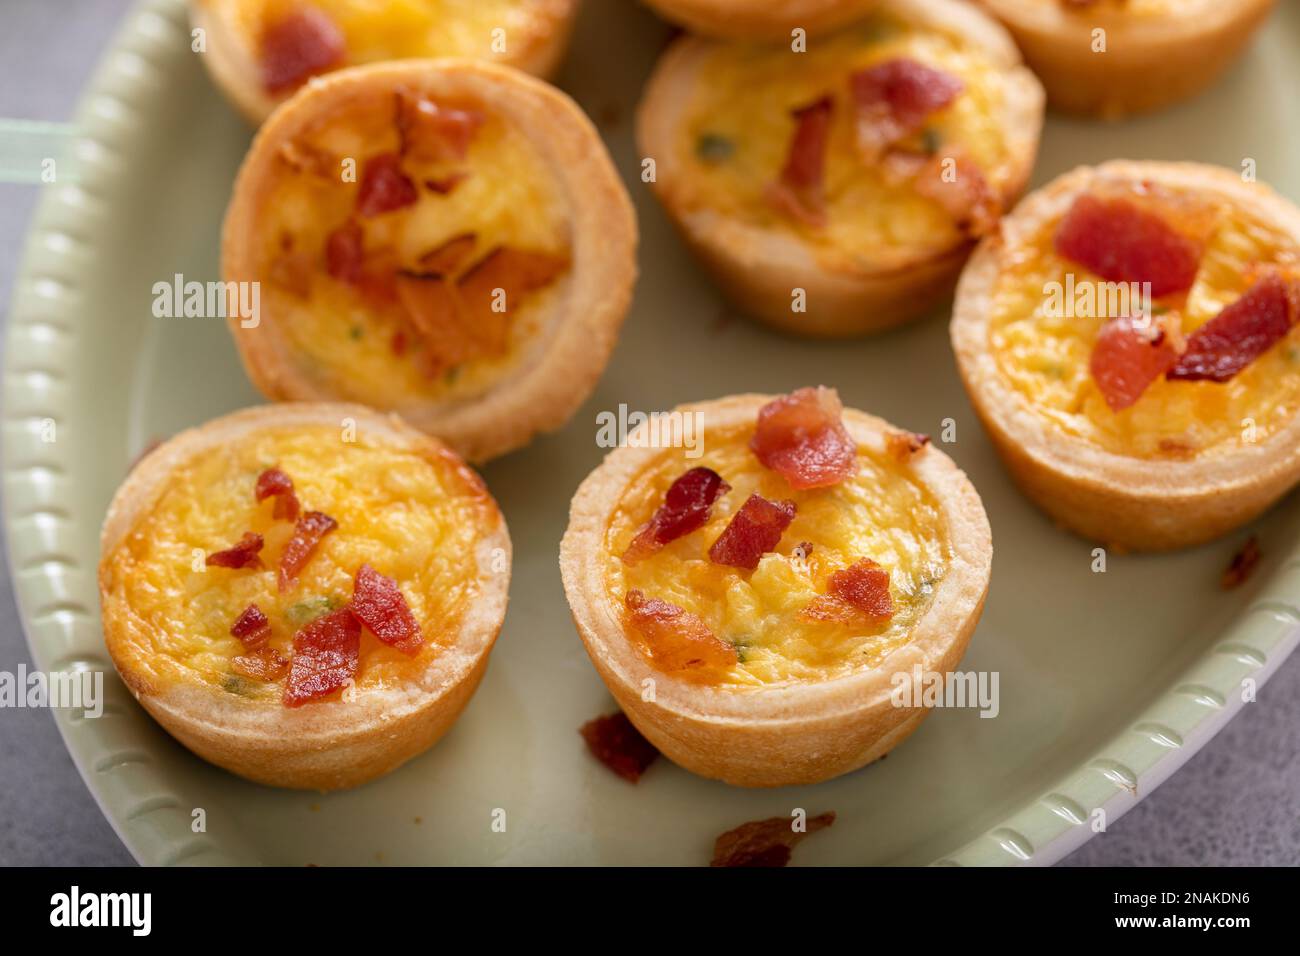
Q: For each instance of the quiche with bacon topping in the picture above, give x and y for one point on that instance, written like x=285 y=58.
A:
x=837 y=190
x=754 y=609
x=760 y=18
x=303 y=594
x=444 y=239
x=1112 y=58
x=260 y=51
x=1129 y=340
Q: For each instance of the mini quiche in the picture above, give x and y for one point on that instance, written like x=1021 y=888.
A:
x=754 y=610
x=1129 y=341
x=445 y=239
x=1111 y=58
x=304 y=594
x=760 y=18
x=838 y=190
x=260 y=51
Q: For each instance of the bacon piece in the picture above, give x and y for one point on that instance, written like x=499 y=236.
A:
x=429 y=132
x=345 y=252
x=306 y=157
x=291 y=270
x=802 y=437
x=384 y=187
x=860 y=590
x=263 y=663
x=894 y=99
x=765 y=842
x=1241 y=332
x=678 y=641
x=1243 y=565
x=903 y=445
x=753 y=531
x=447 y=258
x=1121 y=241
x=274 y=483
x=687 y=505
x=615 y=742
x=298 y=45
x=378 y=603
x=241 y=555
x=307 y=533
x=798 y=191
x=516 y=272
x=443 y=185
x=251 y=627
x=325 y=655
x=1126 y=358
x=957 y=183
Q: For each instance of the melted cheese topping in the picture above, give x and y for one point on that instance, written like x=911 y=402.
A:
x=413 y=517
x=883 y=513
x=738 y=128
x=1043 y=353
x=375 y=30
x=341 y=341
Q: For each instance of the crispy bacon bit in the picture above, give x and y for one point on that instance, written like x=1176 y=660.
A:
x=251 y=627
x=325 y=654
x=516 y=272
x=1243 y=565
x=275 y=483
x=765 y=842
x=957 y=183
x=753 y=531
x=345 y=252
x=1242 y=332
x=862 y=589
x=306 y=157
x=432 y=133
x=264 y=663
x=242 y=555
x=307 y=533
x=1127 y=357
x=1121 y=241
x=903 y=445
x=678 y=641
x=384 y=187
x=894 y=99
x=291 y=270
x=300 y=44
x=802 y=437
x=687 y=505
x=443 y=185
x=797 y=192
x=379 y=605
x=450 y=256
x=615 y=742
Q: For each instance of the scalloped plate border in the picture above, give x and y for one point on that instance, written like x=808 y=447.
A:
x=56 y=592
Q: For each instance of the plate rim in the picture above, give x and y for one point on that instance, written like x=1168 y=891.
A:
x=61 y=629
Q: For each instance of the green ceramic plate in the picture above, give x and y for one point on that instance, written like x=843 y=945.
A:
x=1108 y=681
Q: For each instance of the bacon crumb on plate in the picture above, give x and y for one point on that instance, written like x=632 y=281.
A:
x=687 y=505
x=1243 y=565
x=615 y=742
x=241 y=555
x=767 y=842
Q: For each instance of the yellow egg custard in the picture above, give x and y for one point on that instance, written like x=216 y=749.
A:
x=883 y=513
x=260 y=51
x=834 y=184
x=317 y=584
x=755 y=608
x=445 y=239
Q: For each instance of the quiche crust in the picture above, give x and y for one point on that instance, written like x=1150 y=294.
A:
x=791 y=732
x=323 y=745
x=1150 y=61
x=760 y=19
x=758 y=267
x=1127 y=502
x=580 y=327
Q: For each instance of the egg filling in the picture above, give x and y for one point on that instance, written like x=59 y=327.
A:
x=1042 y=349
x=883 y=513
x=416 y=518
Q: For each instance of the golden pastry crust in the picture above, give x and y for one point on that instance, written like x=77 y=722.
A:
x=1128 y=502
x=1151 y=59
x=790 y=732
x=760 y=19
x=232 y=62
x=328 y=744
x=758 y=267
x=580 y=326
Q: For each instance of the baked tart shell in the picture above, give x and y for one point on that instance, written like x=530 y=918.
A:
x=760 y=19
